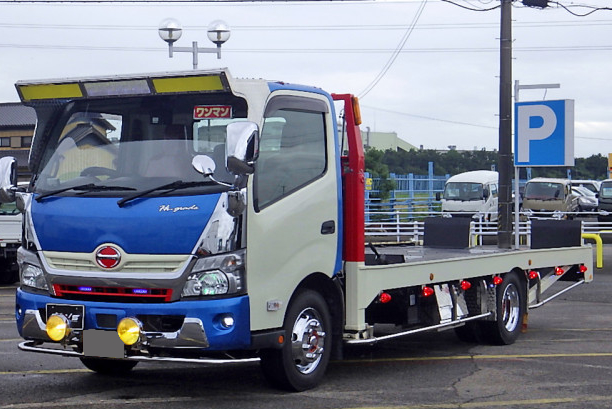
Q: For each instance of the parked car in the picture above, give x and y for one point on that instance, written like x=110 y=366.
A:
x=544 y=196
x=592 y=185
x=605 y=201
x=587 y=200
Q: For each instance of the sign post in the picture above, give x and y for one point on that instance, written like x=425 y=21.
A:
x=544 y=136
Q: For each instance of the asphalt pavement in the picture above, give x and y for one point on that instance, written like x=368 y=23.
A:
x=563 y=361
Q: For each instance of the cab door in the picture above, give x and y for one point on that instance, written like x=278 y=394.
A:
x=292 y=224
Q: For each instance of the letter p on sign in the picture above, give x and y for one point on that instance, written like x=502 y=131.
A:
x=544 y=133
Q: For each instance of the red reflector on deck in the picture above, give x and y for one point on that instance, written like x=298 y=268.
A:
x=384 y=297
x=427 y=291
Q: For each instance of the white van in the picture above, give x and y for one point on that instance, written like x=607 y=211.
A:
x=472 y=193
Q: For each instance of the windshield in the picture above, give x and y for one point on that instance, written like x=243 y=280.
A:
x=544 y=191
x=464 y=191
x=135 y=144
x=8 y=209
x=606 y=190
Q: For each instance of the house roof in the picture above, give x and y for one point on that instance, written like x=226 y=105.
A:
x=16 y=114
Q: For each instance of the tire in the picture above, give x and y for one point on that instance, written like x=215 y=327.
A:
x=301 y=362
x=8 y=272
x=511 y=307
x=109 y=366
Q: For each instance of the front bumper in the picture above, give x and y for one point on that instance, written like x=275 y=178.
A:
x=169 y=328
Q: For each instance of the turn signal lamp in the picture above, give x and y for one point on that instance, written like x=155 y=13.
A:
x=497 y=280
x=356 y=110
x=559 y=271
x=58 y=327
x=583 y=269
x=427 y=291
x=129 y=330
x=384 y=297
x=465 y=285
x=533 y=275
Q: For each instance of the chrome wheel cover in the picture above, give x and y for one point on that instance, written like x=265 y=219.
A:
x=307 y=341
x=510 y=307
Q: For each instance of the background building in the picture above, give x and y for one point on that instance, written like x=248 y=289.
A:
x=17 y=123
x=384 y=140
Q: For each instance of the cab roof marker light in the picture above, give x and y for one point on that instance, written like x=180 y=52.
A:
x=49 y=91
x=110 y=88
x=188 y=84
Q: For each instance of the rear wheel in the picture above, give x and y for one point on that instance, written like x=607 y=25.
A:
x=109 y=366
x=301 y=362
x=510 y=312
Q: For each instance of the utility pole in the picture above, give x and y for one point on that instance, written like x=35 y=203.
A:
x=504 y=223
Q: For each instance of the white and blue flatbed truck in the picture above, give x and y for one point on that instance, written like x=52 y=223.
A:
x=196 y=217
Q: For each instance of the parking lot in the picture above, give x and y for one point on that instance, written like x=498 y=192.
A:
x=564 y=360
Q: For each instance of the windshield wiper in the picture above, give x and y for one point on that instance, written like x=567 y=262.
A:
x=89 y=187
x=178 y=184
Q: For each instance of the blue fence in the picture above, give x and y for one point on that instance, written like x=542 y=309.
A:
x=413 y=195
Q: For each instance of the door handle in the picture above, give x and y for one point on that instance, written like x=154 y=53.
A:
x=328 y=227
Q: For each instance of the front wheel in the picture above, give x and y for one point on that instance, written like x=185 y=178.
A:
x=301 y=362
x=510 y=312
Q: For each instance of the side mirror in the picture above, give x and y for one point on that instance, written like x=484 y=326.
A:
x=438 y=196
x=204 y=164
x=485 y=194
x=8 y=179
x=241 y=147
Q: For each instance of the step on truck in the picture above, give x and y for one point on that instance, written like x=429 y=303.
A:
x=197 y=217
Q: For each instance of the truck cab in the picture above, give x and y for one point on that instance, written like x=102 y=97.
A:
x=471 y=194
x=193 y=201
x=545 y=196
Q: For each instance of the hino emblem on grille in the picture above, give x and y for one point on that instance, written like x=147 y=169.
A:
x=108 y=257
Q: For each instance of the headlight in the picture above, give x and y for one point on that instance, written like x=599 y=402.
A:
x=33 y=276
x=216 y=275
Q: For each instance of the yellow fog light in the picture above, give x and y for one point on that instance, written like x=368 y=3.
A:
x=129 y=330
x=58 y=327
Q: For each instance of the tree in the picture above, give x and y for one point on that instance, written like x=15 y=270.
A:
x=374 y=164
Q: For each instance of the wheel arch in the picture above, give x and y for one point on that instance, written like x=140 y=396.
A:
x=333 y=295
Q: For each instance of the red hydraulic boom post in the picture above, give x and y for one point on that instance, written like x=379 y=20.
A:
x=353 y=168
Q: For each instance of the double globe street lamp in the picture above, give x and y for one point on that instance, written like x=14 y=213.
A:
x=170 y=30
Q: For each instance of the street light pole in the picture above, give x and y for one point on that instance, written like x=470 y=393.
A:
x=170 y=31
x=504 y=223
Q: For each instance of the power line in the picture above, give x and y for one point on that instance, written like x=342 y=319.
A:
x=396 y=53
x=228 y=49
x=470 y=8
x=349 y=27
x=430 y=118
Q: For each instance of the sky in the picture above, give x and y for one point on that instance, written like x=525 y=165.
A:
x=425 y=69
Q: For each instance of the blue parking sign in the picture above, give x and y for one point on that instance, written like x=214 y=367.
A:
x=544 y=133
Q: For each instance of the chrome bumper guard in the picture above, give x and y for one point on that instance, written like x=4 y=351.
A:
x=191 y=335
x=33 y=346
